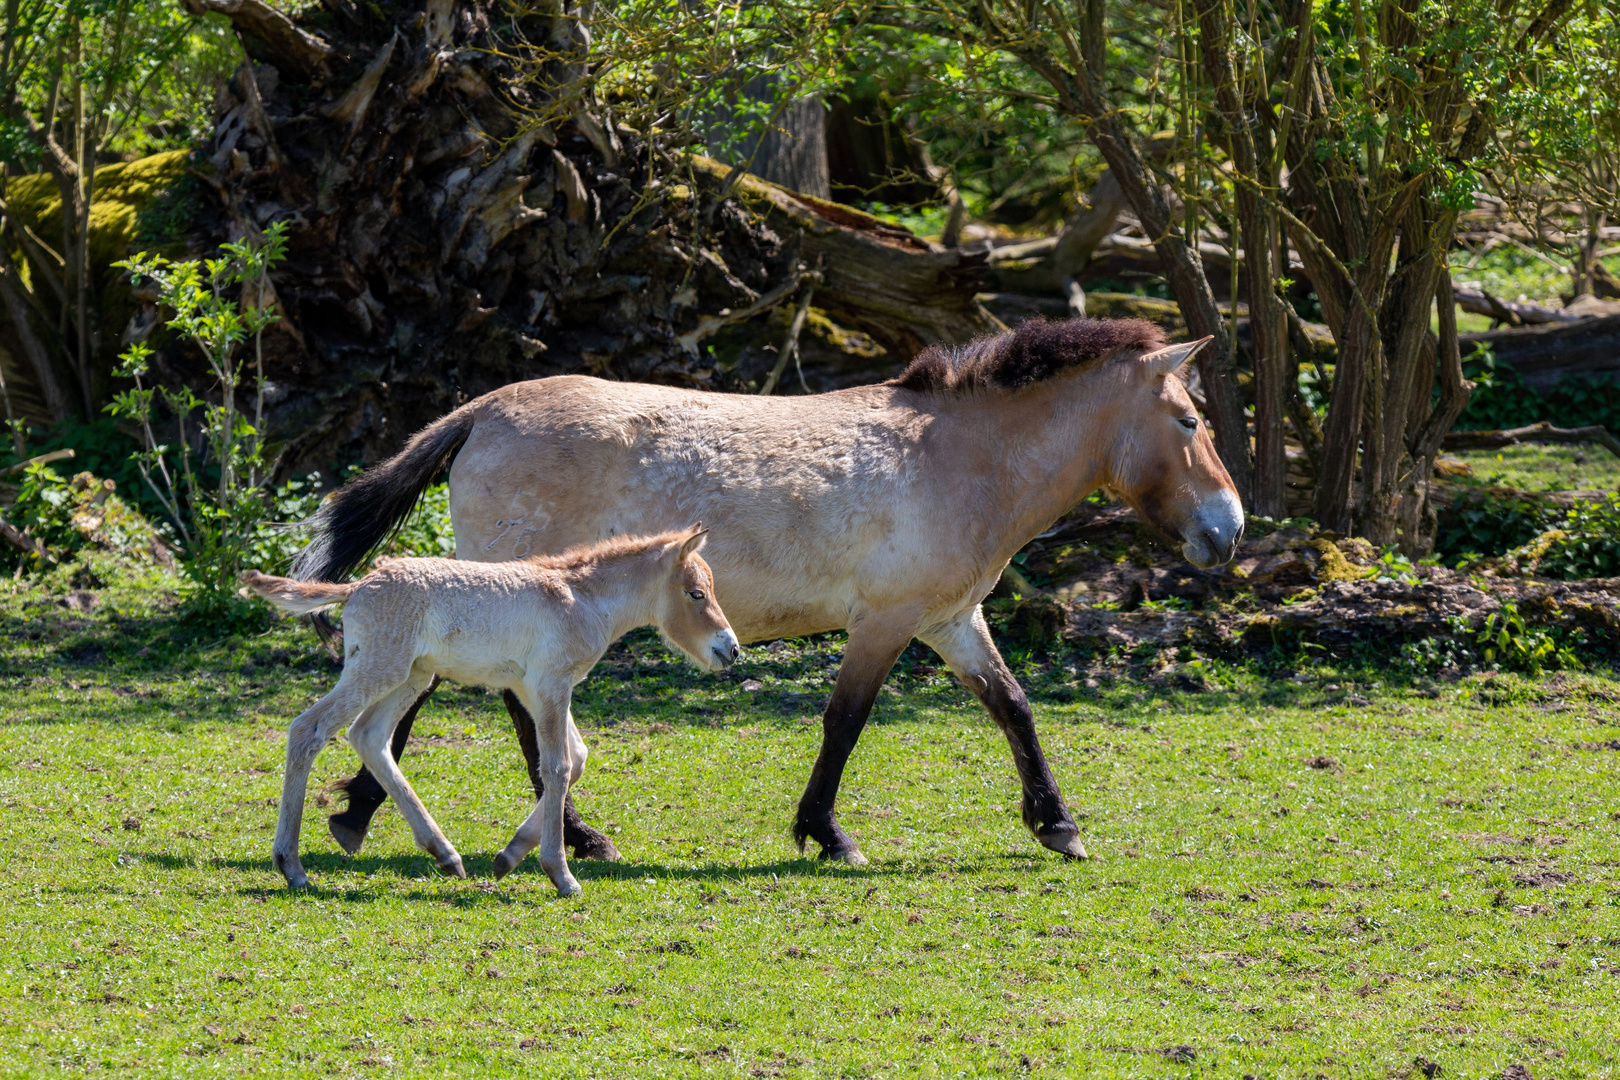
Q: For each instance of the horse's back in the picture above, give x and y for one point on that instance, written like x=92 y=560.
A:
x=798 y=490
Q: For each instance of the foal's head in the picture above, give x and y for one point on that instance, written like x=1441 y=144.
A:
x=688 y=616
x=1163 y=462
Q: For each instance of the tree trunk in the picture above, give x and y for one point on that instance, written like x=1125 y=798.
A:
x=790 y=151
x=1081 y=94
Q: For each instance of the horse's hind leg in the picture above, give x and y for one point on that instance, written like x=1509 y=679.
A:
x=311 y=731
x=872 y=649
x=370 y=737
x=586 y=841
x=349 y=826
x=965 y=645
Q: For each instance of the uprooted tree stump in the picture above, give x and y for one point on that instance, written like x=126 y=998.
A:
x=443 y=244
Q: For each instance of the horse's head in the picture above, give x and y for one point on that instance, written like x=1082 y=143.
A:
x=689 y=617
x=1164 y=464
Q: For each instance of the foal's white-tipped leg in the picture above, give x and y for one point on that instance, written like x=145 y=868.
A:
x=543 y=828
x=308 y=733
x=554 y=737
x=371 y=736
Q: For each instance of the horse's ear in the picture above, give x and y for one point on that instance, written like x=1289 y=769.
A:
x=696 y=537
x=1166 y=360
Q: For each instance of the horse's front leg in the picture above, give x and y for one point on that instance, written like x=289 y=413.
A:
x=965 y=645
x=558 y=768
x=349 y=826
x=874 y=645
x=586 y=841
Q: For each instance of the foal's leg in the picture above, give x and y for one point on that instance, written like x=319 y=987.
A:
x=554 y=737
x=965 y=645
x=370 y=737
x=586 y=841
x=872 y=649
x=349 y=826
x=311 y=731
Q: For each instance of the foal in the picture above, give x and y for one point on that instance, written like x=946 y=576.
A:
x=534 y=626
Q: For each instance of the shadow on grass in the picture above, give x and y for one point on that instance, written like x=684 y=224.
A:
x=481 y=876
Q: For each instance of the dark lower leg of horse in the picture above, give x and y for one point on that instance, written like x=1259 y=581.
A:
x=858 y=681
x=586 y=842
x=1044 y=811
x=365 y=795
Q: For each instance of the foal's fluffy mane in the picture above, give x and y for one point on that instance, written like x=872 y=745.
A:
x=1036 y=351
x=587 y=555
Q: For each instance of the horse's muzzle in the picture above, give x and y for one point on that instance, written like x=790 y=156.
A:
x=725 y=649
x=1213 y=535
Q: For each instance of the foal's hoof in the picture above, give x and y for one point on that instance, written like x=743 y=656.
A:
x=850 y=856
x=1064 y=841
x=348 y=838
x=505 y=864
x=452 y=867
x=568 y=887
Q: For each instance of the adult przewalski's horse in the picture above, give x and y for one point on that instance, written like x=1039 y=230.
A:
x=889 y=511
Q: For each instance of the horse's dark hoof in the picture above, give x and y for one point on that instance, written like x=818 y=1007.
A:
x=849 y=856
x=505 y=864
x=1065 y=840
x=349 y=838
x=595 y=846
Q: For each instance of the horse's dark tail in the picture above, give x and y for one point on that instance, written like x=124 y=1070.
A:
x=364 y=514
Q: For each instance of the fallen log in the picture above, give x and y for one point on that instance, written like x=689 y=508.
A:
x=42 y=459
x=1543 y=432
x=877 y=278
x=1513 y=313
x=1545 y=355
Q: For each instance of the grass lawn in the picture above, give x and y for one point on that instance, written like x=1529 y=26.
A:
x=1550 y=467
x=1330 y=875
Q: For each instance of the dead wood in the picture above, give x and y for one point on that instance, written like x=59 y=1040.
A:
x=876 y=277
x=1543 y=432
x=1513 y=313
x=1545 y=355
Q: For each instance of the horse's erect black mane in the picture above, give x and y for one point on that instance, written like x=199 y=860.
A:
x=1036 y=351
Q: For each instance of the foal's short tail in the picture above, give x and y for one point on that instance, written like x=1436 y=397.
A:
x=359 y=517
x=297 y=597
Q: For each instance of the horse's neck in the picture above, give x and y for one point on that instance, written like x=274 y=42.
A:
x=1040 y=449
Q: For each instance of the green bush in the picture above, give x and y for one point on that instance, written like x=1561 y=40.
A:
x=427 y=531
x=218 y=503
x=1502 y=400
x=1488 y=524
x=67 y=516
x=1583 y=543
x=1506 y=640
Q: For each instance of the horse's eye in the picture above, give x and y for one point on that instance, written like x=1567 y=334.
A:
x=696 y=594
x=1190 y=423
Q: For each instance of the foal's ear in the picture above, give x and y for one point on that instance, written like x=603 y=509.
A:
x=696 y=537
x=1166 y=360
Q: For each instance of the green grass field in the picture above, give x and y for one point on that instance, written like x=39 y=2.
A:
x=1552 y=467
x=1324 y=876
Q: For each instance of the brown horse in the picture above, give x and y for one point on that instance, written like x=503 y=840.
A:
x=887 y=510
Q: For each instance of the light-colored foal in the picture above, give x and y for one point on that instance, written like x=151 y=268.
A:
x=534 y=626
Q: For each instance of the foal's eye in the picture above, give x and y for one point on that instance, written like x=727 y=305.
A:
x=696 y=594
x=1190 y=423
